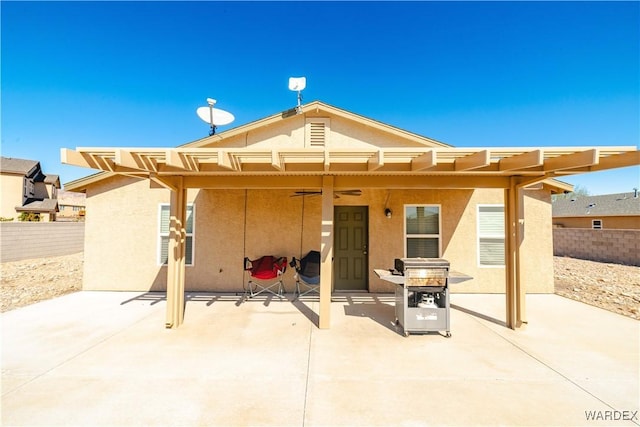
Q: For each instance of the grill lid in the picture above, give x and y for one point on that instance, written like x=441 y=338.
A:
x=402 y=264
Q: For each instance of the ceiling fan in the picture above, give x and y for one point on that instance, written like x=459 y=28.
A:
x=336 y=193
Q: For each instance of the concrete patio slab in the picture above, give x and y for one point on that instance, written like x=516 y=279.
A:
x=104 y=358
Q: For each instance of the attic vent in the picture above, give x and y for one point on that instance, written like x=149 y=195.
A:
x=317 y=132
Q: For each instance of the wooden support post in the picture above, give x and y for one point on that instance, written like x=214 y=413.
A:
x=514 y=222
x=520 y=289
x=176 y=257
x=326 y=250
x=510 y=253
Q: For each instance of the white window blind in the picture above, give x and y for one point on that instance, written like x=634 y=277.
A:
x=164 y=234
x=491 y=235
x=422 y=231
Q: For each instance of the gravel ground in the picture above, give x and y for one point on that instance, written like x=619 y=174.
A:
x=32 y=280
x=610 y=286
x=613 y=287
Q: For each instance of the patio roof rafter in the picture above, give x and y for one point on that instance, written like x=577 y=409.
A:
x=501 y=162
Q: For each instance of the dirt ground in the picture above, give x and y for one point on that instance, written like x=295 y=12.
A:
x=610 y=286
x=613 y=287
x=32 y=280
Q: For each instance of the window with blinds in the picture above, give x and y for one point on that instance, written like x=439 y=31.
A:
x=422 y=231
x=491 y=235
x=164 y=234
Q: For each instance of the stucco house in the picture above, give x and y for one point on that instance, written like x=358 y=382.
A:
x=608 y=211
x=25 y=188
x=321 y=178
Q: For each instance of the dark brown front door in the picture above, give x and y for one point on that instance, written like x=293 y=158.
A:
x=351 y=234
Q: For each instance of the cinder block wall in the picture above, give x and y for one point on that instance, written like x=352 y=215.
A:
x=616 y=246
x=27 y=240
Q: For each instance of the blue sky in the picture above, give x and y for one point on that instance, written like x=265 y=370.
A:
x=524 y=74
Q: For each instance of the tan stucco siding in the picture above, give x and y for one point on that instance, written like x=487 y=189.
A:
x=274 y=226
x=347 y=134
x=122 y=235
x=340 y=133
x=458 y=234
x=608 y=222
x=11 y=189
x=536 y=258
x=285 y=134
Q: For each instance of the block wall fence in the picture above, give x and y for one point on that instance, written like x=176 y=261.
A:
x=27 y=240
x=614 y=246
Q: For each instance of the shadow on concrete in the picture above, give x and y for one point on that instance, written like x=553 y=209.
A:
x=380 y=309
x=153 y=297
x=299 y=303
x=479 y=315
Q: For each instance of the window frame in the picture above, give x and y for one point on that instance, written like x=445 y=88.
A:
x=593 y=224
x=188 y=234
x=428 y=236
x=490 y=236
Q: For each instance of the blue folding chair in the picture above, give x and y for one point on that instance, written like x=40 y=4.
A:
x=307 y=274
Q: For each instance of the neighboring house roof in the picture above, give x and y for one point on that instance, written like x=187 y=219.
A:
x=621 y=204
x=28 y=168
x=17 y=166
x=32 y=170
x=45 y=205
x=53 y=180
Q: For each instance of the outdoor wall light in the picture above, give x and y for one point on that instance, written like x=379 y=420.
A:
x=387 y=212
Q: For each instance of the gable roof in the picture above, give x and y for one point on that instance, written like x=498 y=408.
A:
x=316 y=107
x=17 y=166
x=39 y=205
x=620 y=204
x=53 y=180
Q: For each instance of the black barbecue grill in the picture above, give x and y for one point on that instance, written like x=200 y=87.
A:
x=422 y=299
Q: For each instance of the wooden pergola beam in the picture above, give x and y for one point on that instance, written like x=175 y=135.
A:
x=526 y=160
x=476 y=160
x=578 y=159
x=424 y=161
x=175 y=160
x=126 y=159
x=631 y=158
x=75 y=158
x=376 y=161
x=276 y=162
x=224 y=161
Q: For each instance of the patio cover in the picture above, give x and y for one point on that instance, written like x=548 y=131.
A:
x=425 y=164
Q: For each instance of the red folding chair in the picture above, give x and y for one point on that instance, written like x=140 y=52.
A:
x=265 y=275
